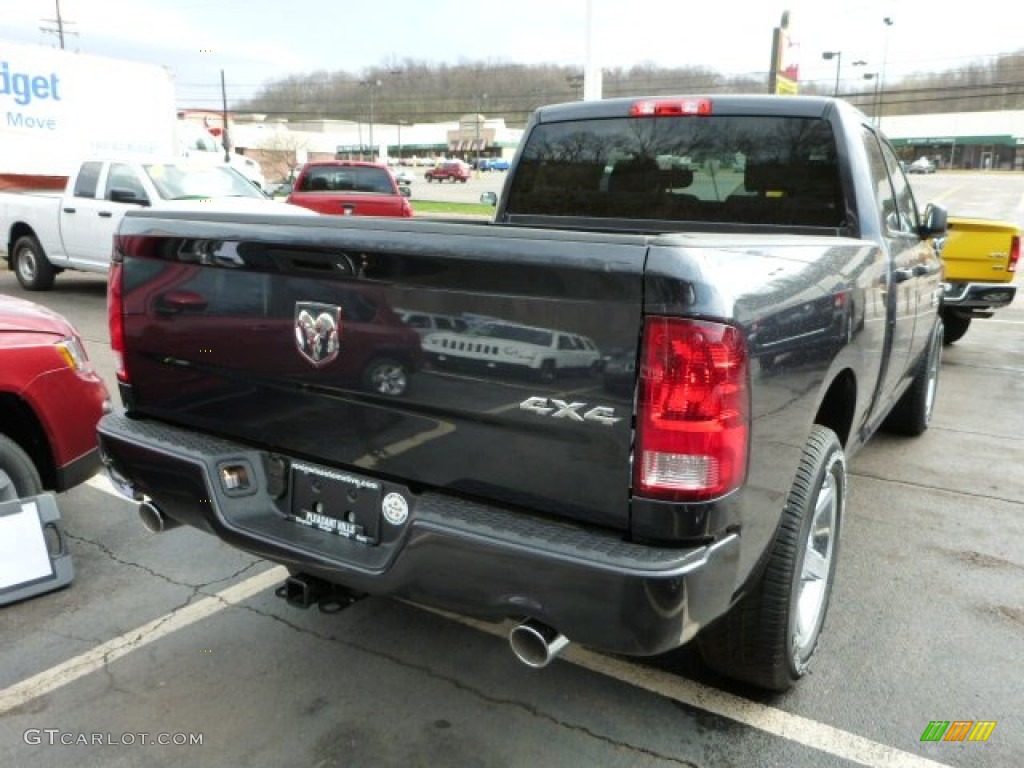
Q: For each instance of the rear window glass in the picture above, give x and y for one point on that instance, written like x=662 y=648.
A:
x=739 y=169
x=347 y=179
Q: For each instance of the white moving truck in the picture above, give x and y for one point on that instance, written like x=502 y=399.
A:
x=58 y=108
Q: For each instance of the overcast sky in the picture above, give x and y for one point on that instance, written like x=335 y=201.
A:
x=257 y=40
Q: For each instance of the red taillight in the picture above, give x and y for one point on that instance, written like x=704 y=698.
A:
x=1014 y=253
x=115 y=320
x=692 y=410
x=663 y=107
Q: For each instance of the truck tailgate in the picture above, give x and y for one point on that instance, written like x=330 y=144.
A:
x=978 y=250
x=291 y=338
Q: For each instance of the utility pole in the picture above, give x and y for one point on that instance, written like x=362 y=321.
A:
x=58 y=28
x=224 y=118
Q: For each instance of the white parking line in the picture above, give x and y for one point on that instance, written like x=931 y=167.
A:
x=96 y=658
x=825 y=738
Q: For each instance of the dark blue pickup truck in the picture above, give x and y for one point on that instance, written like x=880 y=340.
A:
x=686 y=315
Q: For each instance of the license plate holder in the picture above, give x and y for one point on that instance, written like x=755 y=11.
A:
x=336 y=502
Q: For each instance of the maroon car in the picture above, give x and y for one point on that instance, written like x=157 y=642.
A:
x=453 y=171
x=336 y=334
x=350 y=188
x=50 y=401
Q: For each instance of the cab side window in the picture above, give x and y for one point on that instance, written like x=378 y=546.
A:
x=896 y=207
x=88 y=179
x=906 y=207
x=123 y=176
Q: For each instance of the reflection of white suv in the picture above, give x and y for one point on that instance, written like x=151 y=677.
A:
x=428 y=322
x=501 y=345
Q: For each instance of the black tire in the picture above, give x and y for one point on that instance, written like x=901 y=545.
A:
x=547 y=371
x=18 y=475
x=955 y=326
x=33 y=270
x=767 y=639
x=386 y=376
x=913 y=413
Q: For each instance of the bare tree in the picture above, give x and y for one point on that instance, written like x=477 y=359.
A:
x=281 y=152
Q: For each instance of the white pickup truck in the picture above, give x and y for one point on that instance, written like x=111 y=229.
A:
x=46 y=233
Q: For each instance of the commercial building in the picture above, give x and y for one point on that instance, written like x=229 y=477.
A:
x=965 y=140
x=279 y=145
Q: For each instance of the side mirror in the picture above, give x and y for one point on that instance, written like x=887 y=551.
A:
x=936 y=221
x=404 y=191
x=123 y=195
x=489 y=198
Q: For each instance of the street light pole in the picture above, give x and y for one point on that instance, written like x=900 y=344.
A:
x=476 y=122
x=875 y=100
x=371 y=84
x=885 y=56
x=838 y=56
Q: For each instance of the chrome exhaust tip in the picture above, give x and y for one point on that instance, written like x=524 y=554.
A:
x=155 y=520
x=536 y=644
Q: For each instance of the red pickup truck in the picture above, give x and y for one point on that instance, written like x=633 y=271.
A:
x=350 y=188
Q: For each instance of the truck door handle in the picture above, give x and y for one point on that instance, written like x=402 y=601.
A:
x=902 y=275
x=106 y=214
x=69 y=210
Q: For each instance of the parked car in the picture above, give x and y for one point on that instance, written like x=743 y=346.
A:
x=287 y=326
x=350 y=188
x=428 y=322
x=279 y=189
x=51 y=399
x=503 y=346
x=500 y=164
x=921 y=165
x=453 y=170
x=403 y=175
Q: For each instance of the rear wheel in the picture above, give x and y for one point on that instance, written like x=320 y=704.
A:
x=386 y=376
x=768 y=638
x=955 y=326
x=547 y=371
x=913 y=413
x=33 y=270
x=18 y=475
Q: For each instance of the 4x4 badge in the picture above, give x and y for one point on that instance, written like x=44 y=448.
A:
x=317 y=331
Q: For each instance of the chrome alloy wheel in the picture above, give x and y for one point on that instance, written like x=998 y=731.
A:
x=389 y=378
x=934 y=361
x=27 y=264
x=816 y=570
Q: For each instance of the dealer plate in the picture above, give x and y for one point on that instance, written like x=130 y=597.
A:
x=336 y=502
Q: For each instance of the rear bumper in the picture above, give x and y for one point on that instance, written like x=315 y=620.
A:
x=471 y=558
x=978 y=295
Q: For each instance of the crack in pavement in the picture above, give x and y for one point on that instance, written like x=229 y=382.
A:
x=925 y=487
x=466 y=688
x=162 y=576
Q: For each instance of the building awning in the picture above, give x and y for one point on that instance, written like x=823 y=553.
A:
x=960 y=141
